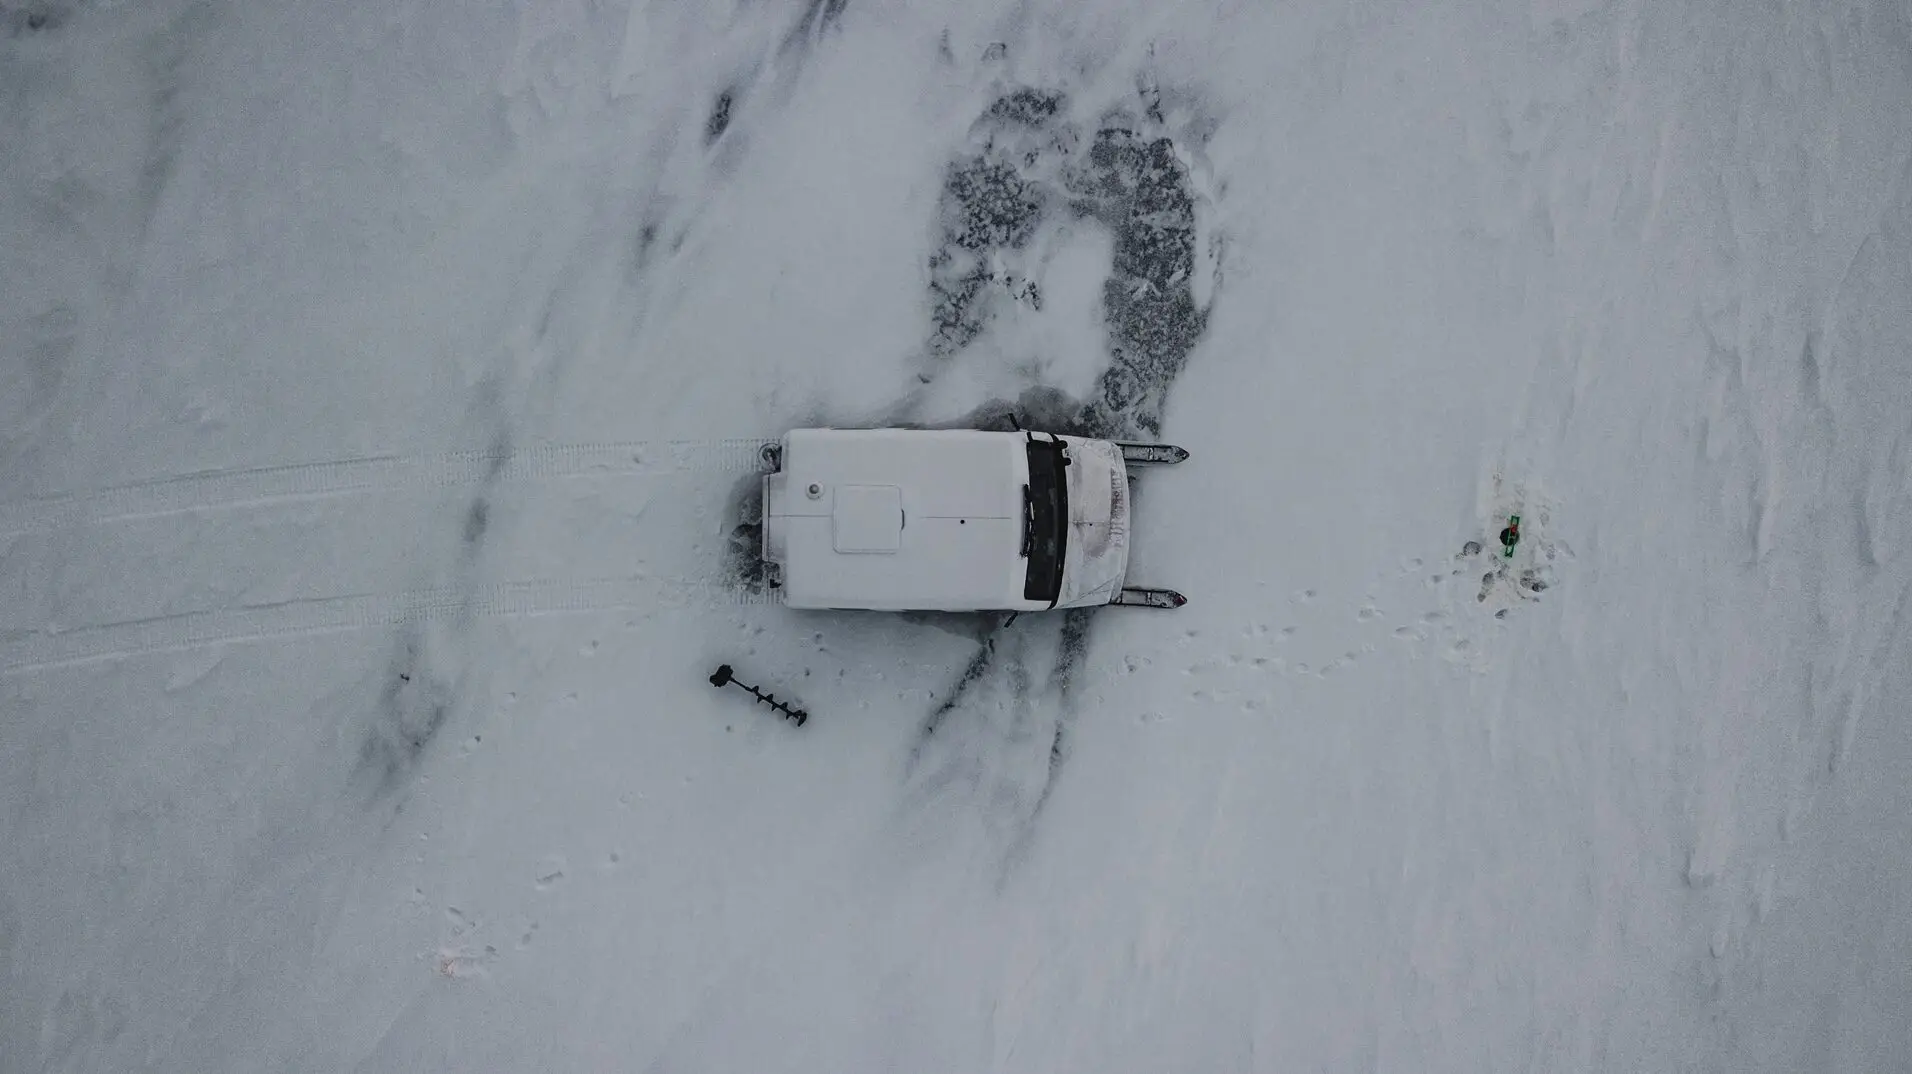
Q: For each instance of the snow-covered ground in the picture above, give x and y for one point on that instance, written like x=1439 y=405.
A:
x=378 y=384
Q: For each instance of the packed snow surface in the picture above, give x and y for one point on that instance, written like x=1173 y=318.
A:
x=380 y=393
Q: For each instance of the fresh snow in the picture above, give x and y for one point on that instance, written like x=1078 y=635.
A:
x=379 y=387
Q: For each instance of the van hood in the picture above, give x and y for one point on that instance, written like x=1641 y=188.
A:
x=1097 y=558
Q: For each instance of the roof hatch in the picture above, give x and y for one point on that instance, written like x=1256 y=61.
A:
x=867 y=518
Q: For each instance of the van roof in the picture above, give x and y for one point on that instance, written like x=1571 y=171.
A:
x=899 y=518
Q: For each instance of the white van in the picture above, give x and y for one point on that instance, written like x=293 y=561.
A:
x=953 y=520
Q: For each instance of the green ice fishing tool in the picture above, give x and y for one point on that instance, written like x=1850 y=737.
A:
x=1510 y=536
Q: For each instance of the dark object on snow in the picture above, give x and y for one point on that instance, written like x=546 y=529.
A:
x=1510 y=536
x=722 y=678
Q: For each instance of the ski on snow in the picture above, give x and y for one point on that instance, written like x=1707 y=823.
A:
x=1136 y=453
x=1148 y=597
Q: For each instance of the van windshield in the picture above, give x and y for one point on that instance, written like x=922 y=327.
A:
x=1045 y=520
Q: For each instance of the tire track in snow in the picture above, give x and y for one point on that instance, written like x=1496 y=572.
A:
x=1003 y=730
x=309 y=616
x=261 y=485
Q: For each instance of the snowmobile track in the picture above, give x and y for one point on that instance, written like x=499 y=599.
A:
x=328 y=615
x=251 y=486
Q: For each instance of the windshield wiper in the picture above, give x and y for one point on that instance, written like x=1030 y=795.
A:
x=1028 y=522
